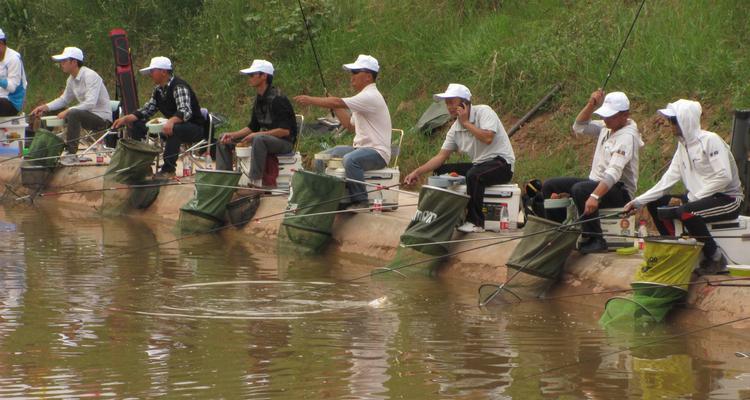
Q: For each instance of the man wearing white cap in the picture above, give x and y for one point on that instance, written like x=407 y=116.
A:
x=12 y=80
x=705 y=165
x=175 y=99
x=613 y=179
x=370 y=121
x=272 y=128
x=479 y=133
x=93 y=110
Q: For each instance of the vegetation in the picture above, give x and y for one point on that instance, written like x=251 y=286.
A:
x=510 y=53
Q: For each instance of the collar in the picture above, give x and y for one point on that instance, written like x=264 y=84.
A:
x=169 y=82
x=78 y=75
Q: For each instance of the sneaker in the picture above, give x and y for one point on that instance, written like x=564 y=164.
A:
x=164 y=175
x=593 y=245
x=716 y=265
x=468 y=227
x=69 y=159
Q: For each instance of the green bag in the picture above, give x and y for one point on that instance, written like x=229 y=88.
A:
x=131 y=162
x=658 y=285
x=213 y=190
x=438 y=212
x=44 y=145
x=544 y=249
x=310 y=193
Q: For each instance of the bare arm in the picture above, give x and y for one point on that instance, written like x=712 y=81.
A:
x=431 y=165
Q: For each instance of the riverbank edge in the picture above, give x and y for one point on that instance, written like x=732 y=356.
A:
x=377 y=236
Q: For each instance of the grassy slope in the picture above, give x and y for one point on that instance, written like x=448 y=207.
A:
x=510 y=53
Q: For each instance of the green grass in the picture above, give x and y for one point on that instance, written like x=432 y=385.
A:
x=510 y=53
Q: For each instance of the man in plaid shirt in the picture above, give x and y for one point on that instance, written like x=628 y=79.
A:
x=174 y=98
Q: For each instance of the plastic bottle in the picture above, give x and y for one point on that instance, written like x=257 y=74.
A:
x=99 y=153
x=377 y=206
x=209 y=161
x=642 y=233
x=504 y=219
x=187 y=166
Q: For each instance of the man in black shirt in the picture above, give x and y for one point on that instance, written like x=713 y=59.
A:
x=177 y=101
x=272 y=128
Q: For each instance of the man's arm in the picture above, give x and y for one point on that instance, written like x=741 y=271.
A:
x=333 y=103
x=431 y=165
x=483 y=135
x=583 y=125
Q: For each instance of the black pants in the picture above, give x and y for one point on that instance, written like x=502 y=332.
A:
x=494 y=172
x=7 y=109
x=580 y=190
x=695 y=214
x=186 y=132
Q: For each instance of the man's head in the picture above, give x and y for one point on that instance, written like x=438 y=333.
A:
x=259 y=74
x=160 y=70
x=364 y=71
x=615 y=110
x=3 y=45
x=683 y=116
x=455 y=96
x=70 y=60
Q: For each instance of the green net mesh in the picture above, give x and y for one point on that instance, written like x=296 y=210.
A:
x=544 y=249
x=44 y=145
x=659 y=284
x=213 y=190
x=310 y=195
x=130 y=165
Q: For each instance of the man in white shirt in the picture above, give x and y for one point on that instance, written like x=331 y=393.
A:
x=613 y=179
x=479 y=133
x=704 y=164
x=93 y=110
x=370 y=121
x=12 y=80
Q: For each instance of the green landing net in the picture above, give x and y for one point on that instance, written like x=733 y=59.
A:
x=207 y=209
x=130 y=164
x=304 y=228
x=438 y=212
x=658 y=285
x=45 y=149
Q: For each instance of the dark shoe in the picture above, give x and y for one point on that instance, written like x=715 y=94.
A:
x=594 y=245
x=164 y=175
x=710 y=266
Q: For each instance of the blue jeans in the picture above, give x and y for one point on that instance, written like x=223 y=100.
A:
x=356 y=162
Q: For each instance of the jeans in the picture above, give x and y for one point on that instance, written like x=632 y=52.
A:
x=263 y=145
x=356 y=162
x=77 y=119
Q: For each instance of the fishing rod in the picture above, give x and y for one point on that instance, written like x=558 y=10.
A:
x=315 y=52
x=14 y=119
x=617 y=58
x=382 y=187
x=631 y=348
x=332 y=212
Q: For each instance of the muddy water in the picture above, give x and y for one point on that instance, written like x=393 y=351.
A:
x=111 y=308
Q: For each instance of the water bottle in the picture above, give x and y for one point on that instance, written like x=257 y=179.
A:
x=99 y=153
x=504 y=219
x=642 y=233
x=187 y=166
x=209 y=161
x=377 y=206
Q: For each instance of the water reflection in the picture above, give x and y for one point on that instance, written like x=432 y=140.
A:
x=119 y=307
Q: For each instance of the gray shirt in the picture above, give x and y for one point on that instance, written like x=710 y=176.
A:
x=461 y=140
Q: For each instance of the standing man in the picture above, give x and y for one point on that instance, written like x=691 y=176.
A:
x=479 y=133
x=704 y=164
x=175 y=99
x=370 y=121
x=272 y=128
x=93 y=110
x=12 y=80
x=613 y=179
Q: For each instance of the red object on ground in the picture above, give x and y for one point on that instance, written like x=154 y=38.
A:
x=271 y=171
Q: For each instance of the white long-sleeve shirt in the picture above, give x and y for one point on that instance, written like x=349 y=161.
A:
x=11 y=68
x=702 y=161
x=87 y=87
x=616 y=155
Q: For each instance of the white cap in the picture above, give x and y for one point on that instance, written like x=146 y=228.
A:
x=69 y=52
x=454 y=90
x=2 y=34
x=364 y=61
x=669 y=111
x=259 y=66
x=614 y=102
x=158 y=63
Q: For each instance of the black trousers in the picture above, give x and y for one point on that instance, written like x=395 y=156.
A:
x=494 y=172
x=7 y=109
x=695 y=214
x=580 y=190
x=186 y=132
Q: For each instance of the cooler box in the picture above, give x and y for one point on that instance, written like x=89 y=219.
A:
x=495 y=198
x=384 y=177
x=12 y=136
x=616 y=225
x=288 y=163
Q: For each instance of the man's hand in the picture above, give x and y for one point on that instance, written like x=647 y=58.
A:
x=248 y=138
x=128 y=119
x=227 y=138
x=596 y=98
x=303 y=99
x=412 y=178
x=39 y=110
x=168 y=127
x=591 y=206
x=463 y=114
x=630 y=208
x=63 y=114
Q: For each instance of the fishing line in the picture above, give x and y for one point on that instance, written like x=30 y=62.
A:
x=64 y=143
x=631 y=348
x=333 y=212
x=312 y=45
x=617 y=58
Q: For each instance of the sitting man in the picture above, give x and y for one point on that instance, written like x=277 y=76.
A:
x=272 y=128
x=479 y=133
x=613 y=179
x=12 y=80
x=93 y=110
x=370 y=121
x=704 y=164
x=176 y=101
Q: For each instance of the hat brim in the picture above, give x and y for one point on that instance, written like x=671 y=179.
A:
x=605 y=111
x=443 y=96
x=145 y=71
x=248 y=71
x=353 y=66
x=61 y=57
x=666 y=112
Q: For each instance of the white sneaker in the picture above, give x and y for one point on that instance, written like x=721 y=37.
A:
x=468 y=227
x=69 y=159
